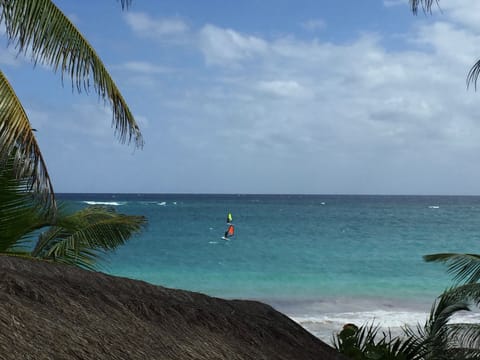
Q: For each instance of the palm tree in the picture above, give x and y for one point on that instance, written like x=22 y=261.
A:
x=40 y=29
x=437 y=339
x=28 y=229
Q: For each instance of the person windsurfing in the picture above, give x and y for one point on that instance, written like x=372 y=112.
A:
x=230 y=229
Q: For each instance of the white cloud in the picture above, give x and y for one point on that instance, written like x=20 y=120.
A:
x=346 y=106
x=143 y=67
x=144 y=25
x=391 y=3
x=363 y=117
x=226 y=46
x=463 y=12
x=287 y=88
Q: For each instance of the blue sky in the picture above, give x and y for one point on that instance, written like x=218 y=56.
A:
x=267 y=96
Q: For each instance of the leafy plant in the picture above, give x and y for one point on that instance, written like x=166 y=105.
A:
x=81 y=238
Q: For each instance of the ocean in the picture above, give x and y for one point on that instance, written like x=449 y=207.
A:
x=322 y=260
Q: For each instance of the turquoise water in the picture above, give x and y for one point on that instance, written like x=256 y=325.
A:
x=320 y=259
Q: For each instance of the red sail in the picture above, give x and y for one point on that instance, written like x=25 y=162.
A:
x=231 y=230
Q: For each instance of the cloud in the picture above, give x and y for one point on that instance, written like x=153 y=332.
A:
x=226 y=46
x=462 y=12
x=304 y=115
x=392 y=3
x=342 y=104
x=143 y=67
x=164 y=28
x=282 y=88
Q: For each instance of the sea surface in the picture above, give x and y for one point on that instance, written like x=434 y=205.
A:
x=323 y=260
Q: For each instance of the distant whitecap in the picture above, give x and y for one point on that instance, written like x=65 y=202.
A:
x=163 y=203
x=111 y=203
x=434 y=207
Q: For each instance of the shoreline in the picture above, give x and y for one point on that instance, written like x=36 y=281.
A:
x=326 y=317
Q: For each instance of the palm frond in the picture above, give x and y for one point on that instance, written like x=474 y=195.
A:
x=83 y=237
x=18 y=143
x=472 y=77
x=434 y=340
x=467 y=293
x=20 y=211
x=41 y=29
x=125 y=3
x=464 y=267
x=442 y=310
x=426 y=5
x=465 y=336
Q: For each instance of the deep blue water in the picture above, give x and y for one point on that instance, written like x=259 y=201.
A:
x=296 y=251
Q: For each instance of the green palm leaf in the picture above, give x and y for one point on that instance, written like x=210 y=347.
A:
x=464 y=267
x=454 y=340
x=41 y=29
x=18 y=144
x=438 y=339
x=466 y=336
x=83 y=237
x=20 y=211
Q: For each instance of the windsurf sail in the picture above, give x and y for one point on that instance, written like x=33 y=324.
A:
x=230 y=231
x=229 y=218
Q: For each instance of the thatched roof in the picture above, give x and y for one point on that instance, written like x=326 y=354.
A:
x=53 y=311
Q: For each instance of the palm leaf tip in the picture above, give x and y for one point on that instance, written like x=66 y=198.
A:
x=464 y=267
x=82 y=238
x=125 y=3
x=426 y=5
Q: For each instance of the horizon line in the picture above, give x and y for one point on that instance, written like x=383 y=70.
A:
x=258 y=194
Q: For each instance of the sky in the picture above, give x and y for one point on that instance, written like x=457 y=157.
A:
x=266 y=96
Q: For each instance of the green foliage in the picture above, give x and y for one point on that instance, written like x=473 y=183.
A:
x=78 y=239
x=19 y=147
x=464 y=267
x=20 y=211
x=365 y=343
x=439 y=338
x=81 y=238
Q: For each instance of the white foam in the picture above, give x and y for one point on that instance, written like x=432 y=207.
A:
x=163 y=203
x=434 y=207
x=325 y=325
x=111 y=203
x=383 y=318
